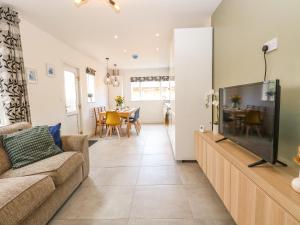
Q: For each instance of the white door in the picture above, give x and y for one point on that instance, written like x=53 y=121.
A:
x=72 y=123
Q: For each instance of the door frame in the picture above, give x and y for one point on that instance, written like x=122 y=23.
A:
x=76 y=71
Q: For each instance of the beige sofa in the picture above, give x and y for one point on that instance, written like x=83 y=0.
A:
x=34 y=193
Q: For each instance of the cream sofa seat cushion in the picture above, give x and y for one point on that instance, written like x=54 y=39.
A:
x=60 y=167
x=19 y=197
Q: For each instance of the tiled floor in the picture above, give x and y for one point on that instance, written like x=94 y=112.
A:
x=137 y=182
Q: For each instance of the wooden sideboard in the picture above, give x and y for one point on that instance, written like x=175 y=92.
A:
x=253 y=196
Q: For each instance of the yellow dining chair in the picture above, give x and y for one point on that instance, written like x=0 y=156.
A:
x=253 y=120
x=113 y=120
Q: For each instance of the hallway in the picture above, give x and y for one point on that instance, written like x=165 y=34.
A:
x=136 y=181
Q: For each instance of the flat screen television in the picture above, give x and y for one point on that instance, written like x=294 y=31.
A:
x=249 y=116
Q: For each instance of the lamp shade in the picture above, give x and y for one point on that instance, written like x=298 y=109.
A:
x=115 y=82
x=107 y=79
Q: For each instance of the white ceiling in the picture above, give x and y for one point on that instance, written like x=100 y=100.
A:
x=91 y=27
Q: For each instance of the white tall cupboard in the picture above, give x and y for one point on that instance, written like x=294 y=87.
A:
x=191 y=64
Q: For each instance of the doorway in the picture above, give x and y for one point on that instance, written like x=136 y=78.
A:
x=72 y=101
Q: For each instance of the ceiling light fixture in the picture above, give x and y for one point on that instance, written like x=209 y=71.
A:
x=80 y=2
x=157 y=35
x=157 y=49
x=115 y=5
x=135 y=56
x=107 y=78
x=116 y=37
x=116 y=71
x=115 y=82
x=112 y=3
x=114 y=79
x=125 y=51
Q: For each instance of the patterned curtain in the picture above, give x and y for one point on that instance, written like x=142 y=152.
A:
x=13 y=87
x=151 y=78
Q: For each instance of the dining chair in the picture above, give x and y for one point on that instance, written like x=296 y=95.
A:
x=102 y=108
x=135 y=120
x=97 y=119
x=253 y=120
x=113 y=120
x=100 y=121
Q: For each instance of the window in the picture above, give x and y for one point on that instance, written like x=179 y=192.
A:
x=135 y=91
x=152 y=90
x=70 y=92
x=165 y=90
x=91 y=88
x=172 y=90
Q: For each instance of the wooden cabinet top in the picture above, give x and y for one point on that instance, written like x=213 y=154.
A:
x=275 y=180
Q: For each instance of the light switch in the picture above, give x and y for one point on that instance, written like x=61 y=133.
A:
x=273 y=44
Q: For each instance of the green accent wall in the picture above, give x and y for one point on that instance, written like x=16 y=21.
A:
x=241 y=27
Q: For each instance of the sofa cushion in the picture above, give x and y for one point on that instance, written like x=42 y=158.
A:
x=19 y=197
x=4 y=161
x=55 y=132
x=29 y=146
x=60 y=167
x=14 y=128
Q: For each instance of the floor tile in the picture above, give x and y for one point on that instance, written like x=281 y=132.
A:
x=136 y=181
x=120 y=150
x=158 y=160
x=215 y=222
x=115 y=160
x=158 y=175
x=89 y=222
x=113 y=176
x=161 y=202
x=163 y=222
x=191 y=174
x=98 y=203
x=205 y=203
x=148 y=150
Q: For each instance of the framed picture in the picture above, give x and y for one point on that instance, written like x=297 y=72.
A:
x=50 y=70
x=32 y=76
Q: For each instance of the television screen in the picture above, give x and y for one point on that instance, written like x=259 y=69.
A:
x=249 y=116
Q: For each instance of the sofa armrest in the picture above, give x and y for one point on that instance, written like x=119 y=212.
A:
x=78 y=143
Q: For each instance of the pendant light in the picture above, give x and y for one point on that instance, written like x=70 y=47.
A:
x=116 y=72
x=107 y=78
x=114 y=78
x=116 y=82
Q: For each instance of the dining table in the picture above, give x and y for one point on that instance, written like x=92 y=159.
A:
x=124 y=114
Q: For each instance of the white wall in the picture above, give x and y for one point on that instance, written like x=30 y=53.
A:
x=47 y=98
x=151 y=111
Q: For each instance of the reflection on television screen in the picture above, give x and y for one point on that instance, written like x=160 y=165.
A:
x=248 y=117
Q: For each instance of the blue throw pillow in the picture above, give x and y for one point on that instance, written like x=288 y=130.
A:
x=55 y=132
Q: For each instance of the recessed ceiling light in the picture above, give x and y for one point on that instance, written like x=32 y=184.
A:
x=157 y=49
x=116 y=37
x=125 y=50
x=117 y=7
x=78 y=2
x=157 y=35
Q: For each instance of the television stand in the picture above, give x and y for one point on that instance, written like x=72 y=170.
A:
x=263 y=162
x=222 y=139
